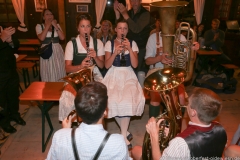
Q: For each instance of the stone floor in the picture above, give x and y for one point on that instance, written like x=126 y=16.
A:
x=25 y=144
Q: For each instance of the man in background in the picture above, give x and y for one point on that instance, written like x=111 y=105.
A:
x=138 y=19
x=9 y=81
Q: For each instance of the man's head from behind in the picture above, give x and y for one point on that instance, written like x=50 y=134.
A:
x=91 y=102
x=205 y=103
x=215 y=24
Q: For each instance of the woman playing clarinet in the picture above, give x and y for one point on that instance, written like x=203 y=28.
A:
x=81 y=52
x=125 y=95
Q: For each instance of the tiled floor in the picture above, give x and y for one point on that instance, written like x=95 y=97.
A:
x=25 y=144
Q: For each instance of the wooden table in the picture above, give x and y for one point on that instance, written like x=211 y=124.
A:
x=48 y=92
x=20 y=57
x=29 y=44
x=205 y=56
x=203 y=52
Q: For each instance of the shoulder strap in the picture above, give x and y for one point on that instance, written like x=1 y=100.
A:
x=75 y=48
x=95 y=44
x=74 y=145
x=112 y=45
x=101 y=146
x=42 y=26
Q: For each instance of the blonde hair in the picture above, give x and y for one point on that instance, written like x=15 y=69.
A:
x=216 y=20
x=110 y=31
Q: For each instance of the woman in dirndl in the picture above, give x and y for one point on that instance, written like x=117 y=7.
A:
x=77 y=56
x=125 y=95
x=52 y=69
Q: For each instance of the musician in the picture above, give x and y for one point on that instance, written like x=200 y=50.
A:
x=202 y=137
x=91 y=106
x=156 y=59
x=9 y=81
x=79 y=55
x=138 y=19
x=126 y=97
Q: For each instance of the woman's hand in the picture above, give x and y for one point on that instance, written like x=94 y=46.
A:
x=118 y=50
x=54 y=23
x=126 y=44
x=85 y=62
x=48 y=23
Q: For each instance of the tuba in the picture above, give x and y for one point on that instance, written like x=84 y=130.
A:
x=165 y=81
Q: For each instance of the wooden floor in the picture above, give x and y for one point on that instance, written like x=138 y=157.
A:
x=25 y=144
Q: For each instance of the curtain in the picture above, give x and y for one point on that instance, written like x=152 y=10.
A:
x=19 y=9
x=128 y=5
x=199 y=7
x=100 y=8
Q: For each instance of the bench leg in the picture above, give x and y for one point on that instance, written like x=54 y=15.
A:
x=26 y=77
x=35 y=70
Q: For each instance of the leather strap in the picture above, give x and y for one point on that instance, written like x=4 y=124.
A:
x=101 y=146
x=97 y=154
x=74 y=146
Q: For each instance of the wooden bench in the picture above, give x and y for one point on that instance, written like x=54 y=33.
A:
x=230 y=66
x=24 y=67
x=26 y=49
x=35 y=68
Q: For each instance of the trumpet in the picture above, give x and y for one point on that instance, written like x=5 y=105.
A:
x=122 y=60
x=87 y=45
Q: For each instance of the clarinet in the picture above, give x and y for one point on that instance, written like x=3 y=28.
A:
x=87 y=45
x=122 y=60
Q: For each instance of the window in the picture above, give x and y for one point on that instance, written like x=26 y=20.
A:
x=7 y=12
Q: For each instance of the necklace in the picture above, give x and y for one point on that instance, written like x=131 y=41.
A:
x=119 y=40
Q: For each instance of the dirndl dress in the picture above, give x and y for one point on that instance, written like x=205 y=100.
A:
x=125 y=94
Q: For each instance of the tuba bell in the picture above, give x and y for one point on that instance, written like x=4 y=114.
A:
x=165 y=81
x=77 y=80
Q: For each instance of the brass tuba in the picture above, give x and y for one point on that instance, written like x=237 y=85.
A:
x=77 y=80
x=165 y=81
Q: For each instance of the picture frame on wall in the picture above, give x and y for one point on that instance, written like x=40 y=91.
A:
x=82 y=8
x=40 y=5
x=79 y=1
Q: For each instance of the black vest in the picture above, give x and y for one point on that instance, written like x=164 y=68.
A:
x=141 y=37
x=205 y=141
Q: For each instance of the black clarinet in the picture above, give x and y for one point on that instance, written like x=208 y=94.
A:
x=122 y=58
x=87 y=45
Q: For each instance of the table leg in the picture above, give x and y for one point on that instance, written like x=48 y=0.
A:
x=45 y=107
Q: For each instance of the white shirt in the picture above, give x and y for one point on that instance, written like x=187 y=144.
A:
x=88 y=139
x=151 y=48
x=108 y=47
x=81 y=49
